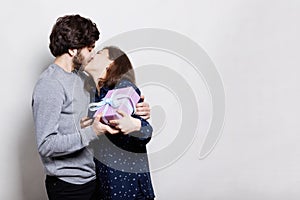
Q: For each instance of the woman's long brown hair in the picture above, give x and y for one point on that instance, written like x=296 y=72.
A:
x=120 y=68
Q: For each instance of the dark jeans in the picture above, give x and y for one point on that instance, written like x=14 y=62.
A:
x=61 y=190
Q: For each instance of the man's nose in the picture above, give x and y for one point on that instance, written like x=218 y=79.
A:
x=93 y=53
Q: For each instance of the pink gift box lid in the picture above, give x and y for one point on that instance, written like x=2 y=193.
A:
x=124 y=99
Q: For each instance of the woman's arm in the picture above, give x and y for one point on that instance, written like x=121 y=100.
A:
x=135 y=126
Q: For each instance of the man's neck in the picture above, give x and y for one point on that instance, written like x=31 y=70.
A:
x=95 y=76
x=65 y=62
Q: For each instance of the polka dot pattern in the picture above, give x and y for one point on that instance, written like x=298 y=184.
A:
x=122 y=163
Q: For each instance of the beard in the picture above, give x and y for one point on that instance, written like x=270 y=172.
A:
x=78 y=60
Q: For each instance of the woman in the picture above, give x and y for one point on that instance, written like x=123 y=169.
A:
x=121 y=159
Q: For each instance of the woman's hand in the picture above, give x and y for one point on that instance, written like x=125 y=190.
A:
x=126 y=124
x=100 y=128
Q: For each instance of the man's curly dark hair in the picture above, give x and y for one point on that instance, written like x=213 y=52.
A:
x=72 y=32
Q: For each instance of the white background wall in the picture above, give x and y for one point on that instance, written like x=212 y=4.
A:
x=254 y=45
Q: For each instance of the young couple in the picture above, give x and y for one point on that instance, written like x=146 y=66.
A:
x=85 y=158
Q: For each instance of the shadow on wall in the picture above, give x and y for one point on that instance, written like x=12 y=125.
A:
x=31 y=168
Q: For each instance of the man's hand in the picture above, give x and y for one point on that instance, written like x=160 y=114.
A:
x=100 y=128
x=126 y=124
x=85 y=122
x=143 y=109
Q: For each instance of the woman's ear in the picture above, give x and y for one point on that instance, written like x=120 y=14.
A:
x=72 y=52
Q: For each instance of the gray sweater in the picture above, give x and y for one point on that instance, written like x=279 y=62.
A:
x=59 y=102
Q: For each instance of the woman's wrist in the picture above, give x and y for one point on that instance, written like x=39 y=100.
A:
x=137 y=124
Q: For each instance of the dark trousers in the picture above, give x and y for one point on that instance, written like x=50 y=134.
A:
x=61 y=190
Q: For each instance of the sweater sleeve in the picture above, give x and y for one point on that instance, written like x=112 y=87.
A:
x=52 y=140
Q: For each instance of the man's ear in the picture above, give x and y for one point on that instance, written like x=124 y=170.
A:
x=72 y=52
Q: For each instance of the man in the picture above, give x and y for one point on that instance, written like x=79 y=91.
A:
x=59 y=102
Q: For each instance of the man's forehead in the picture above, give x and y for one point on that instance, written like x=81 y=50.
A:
x=92 y=46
